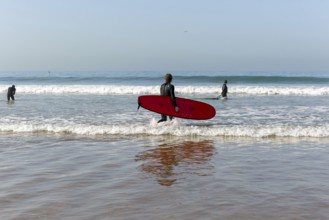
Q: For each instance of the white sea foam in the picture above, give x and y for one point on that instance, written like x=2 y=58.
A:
x=84 y=89
x=187 y=90
x=274 y=90
x=176 y=128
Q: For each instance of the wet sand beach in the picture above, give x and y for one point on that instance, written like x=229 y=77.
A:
x=73 y=177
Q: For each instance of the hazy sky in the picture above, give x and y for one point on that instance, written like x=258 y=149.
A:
x=219 y=35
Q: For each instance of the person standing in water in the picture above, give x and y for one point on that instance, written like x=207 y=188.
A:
x=11 y=92
x=167 y=89
x=224 y=90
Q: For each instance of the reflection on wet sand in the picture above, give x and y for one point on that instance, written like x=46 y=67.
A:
x=169 y=162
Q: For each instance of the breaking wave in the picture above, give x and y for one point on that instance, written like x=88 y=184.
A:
x=187 y=90
x=175 y=128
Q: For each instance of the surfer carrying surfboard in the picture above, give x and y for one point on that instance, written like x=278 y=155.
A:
x=167 y=89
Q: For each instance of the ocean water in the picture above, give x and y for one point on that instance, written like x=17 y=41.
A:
x=74 y=146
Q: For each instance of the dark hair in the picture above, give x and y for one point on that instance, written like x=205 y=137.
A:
x=225 y=81
x=168 y=77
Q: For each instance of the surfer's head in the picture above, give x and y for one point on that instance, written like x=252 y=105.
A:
x=13 y=86
x=168 y=77
x=225 y=81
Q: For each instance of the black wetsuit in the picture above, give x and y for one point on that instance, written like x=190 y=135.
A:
x=11 y=92
x=167 y=89
x=224 y=90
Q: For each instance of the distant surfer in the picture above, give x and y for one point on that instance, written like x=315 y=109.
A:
x=11 y=92
x=167 y=89
x=224 y=90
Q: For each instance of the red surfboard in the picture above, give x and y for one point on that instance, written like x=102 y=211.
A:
x=189 y=109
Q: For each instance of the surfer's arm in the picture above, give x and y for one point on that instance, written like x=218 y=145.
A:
x=173 y=98
x=172 y=95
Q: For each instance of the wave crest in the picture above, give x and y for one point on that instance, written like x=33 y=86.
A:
x=61 y=126
x=186 y=90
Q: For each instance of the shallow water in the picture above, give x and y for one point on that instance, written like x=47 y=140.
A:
x=263 y=116
x=74 y=146
x=73 y=177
